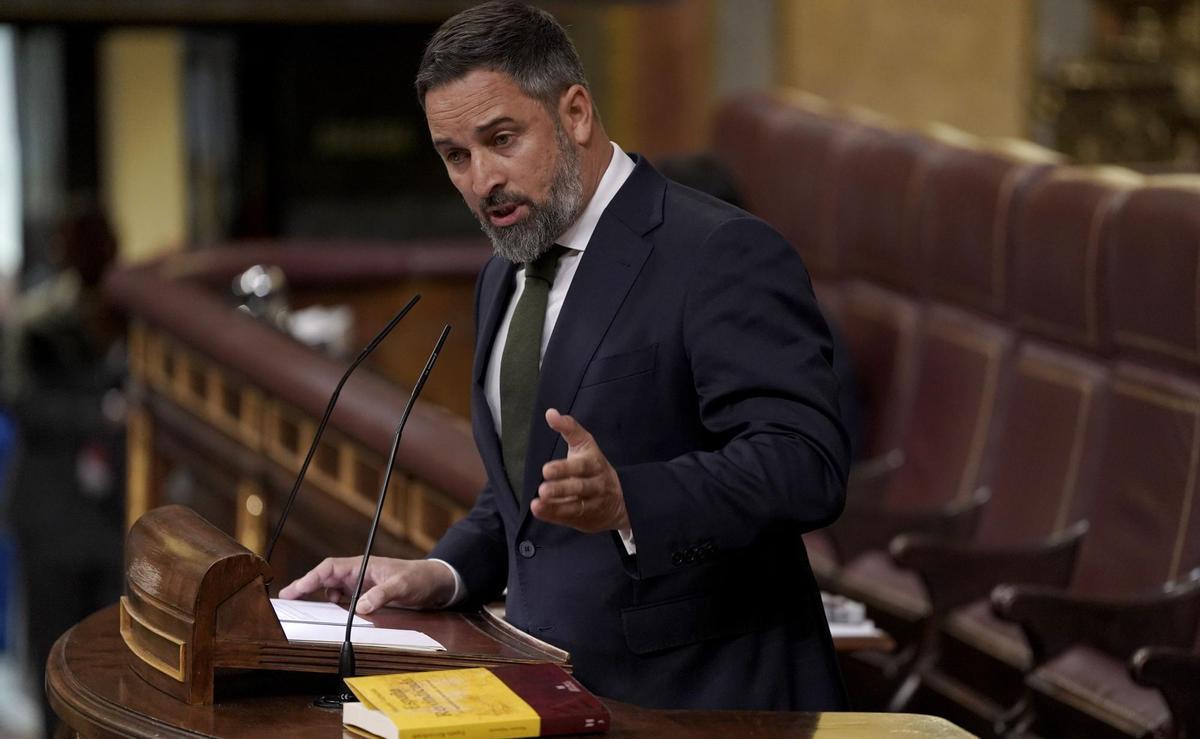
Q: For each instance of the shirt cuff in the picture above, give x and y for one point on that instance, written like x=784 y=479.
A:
x=627 y=540
x=460 y=588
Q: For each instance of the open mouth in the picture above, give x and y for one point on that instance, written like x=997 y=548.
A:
x=506 y=214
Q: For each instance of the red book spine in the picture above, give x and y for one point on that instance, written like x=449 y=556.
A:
x=565 y=706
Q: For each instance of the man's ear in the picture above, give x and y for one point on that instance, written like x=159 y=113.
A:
x=577 y=114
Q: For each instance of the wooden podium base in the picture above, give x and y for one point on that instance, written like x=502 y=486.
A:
x=93 y=689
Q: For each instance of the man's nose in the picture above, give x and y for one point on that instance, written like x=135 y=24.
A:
x=487 y=176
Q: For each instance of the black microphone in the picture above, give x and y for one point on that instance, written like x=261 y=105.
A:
x=312 y=449
x=346 y=666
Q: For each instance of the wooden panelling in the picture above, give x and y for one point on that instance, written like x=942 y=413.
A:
x=268 y=432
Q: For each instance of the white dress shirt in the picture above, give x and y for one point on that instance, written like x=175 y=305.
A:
x=576 y=239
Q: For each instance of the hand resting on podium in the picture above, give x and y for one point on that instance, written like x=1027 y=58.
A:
x=402 y=583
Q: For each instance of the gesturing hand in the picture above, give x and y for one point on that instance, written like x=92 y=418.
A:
x=418 y=583
x=583 y=490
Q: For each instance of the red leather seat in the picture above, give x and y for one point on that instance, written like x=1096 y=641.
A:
x=743 y=134
x=961 y=361
x=1044 y=471
x=1145 y=524
x=1145 y=531
x=1059 y=260
x=963 y=225
x=806 y=149
x=875 y=199
x=966 y=216
x=877 y=196
x=882 y=329
x=1047 y=452
x=1155 y=256
x=872 y=186
x=934 y=255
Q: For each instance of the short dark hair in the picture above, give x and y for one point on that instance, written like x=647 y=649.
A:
x=506 y=36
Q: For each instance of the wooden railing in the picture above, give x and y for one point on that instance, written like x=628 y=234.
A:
x=224 y=406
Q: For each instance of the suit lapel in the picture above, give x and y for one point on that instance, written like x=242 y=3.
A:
x=495 y=291
x=608 y=269
x=494 y=294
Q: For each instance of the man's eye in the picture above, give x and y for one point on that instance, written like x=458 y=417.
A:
x=456 y=157
x=503 y=139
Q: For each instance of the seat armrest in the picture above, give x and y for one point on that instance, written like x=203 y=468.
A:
x=870 y=478
x=1054 y=620
x=860 y=530
x=955 y=573
x=1175 y=673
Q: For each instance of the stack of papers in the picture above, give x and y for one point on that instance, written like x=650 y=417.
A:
x=866 y=628
x=325 y=623
x=846 y=617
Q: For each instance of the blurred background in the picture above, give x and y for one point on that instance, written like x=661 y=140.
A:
x=132 y=130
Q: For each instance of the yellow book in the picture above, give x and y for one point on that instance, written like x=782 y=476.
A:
x=496 y=703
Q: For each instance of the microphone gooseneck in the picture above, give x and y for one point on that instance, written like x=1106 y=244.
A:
x=346 y=666
x=379 y=337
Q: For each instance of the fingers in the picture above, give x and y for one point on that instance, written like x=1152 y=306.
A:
x=334 y=573
x=405 y=583
x=581 y=491
x=576 y=436
x=585 y=465
x=409 y=584
x=571 y=488
x=564 y=509
x=373 y=599
x=404 y=587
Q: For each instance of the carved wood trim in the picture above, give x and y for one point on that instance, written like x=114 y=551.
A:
x=133 y=631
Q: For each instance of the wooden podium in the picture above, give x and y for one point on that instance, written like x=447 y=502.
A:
x=91 y=687
x=196 y=605
x=196 y=624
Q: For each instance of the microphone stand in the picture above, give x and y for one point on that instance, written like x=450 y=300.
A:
x=346 y=666
x=312 y=449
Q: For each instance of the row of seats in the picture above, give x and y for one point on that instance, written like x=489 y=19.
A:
x=1027 y=339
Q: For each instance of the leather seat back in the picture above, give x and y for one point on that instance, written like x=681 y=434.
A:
x=1145 y=520
x=742 y=137
x=1145 y=523
x=808 y=148
x=1060 y=260
x=1152 y=272
x=1048 y=448
x=961 y=367
x=878 y=192
x=965 y=217
x=881 y=329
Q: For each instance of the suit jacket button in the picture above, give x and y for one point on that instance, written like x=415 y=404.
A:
x=677 y=559
x=526 y=549
x=690 y=557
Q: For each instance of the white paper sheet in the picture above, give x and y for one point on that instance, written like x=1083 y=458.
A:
x=863 y=628
x=314 y=612
x=361 y=635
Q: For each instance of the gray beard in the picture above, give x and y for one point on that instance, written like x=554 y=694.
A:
x=527 y=240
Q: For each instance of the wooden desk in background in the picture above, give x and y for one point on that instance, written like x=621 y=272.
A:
x=94 y=691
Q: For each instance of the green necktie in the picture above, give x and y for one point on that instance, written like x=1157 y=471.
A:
x=520 y=363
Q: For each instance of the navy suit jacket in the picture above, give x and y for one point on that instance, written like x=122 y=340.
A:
x=691 y=346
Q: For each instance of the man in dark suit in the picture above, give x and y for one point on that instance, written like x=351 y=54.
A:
x=653 y=401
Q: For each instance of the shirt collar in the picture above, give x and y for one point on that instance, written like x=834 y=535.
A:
x=620 y=166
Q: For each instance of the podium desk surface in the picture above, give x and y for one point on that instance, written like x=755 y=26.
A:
x=94 y=691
